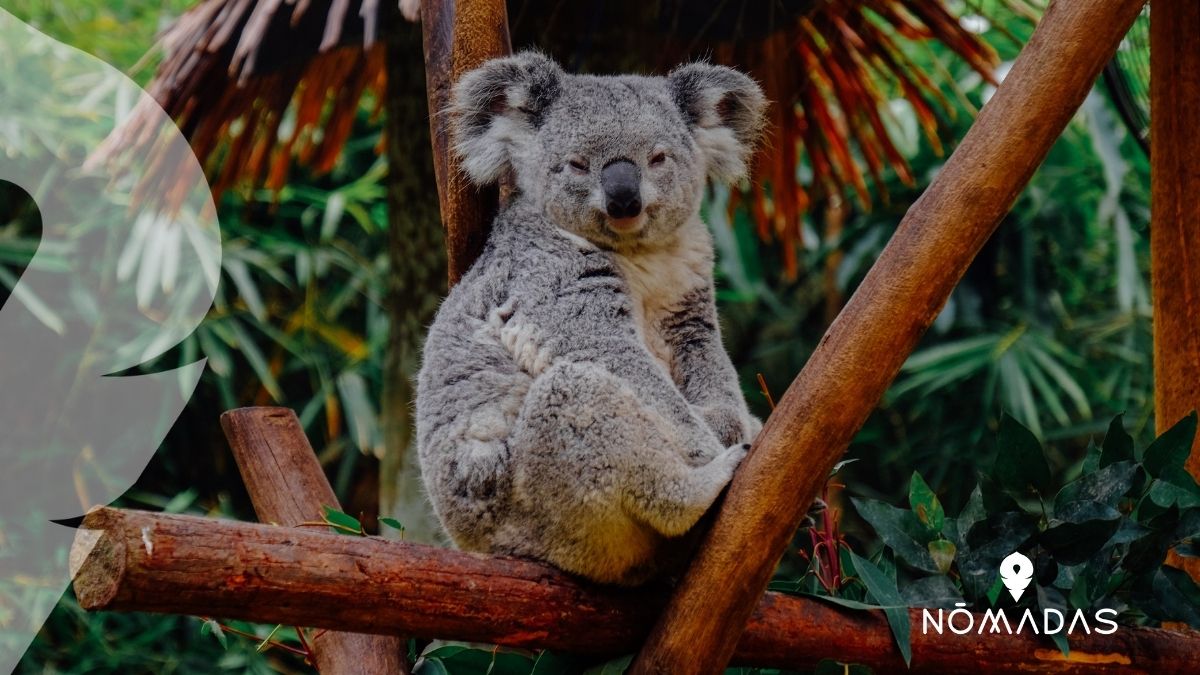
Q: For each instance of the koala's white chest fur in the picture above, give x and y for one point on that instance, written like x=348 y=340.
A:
x=659 y=280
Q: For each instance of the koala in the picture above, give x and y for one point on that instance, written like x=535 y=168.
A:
x=575 y=404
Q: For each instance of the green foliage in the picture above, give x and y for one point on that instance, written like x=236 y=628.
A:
x=117 y=31
x=1097 y=541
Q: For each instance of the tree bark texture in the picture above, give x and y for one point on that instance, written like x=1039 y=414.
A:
x=138 y=561
x=288 y=487
x=863 y=350
x=1175 y=218
x=417 y=273
x=1175 y=210
x=459 y=35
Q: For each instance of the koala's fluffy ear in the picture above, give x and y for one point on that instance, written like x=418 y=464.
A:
x=725 y=110
x=497 y=107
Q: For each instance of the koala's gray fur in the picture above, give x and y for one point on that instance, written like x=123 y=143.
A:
x=575 y=404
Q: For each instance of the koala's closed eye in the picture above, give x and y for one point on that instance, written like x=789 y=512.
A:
x=578 y=165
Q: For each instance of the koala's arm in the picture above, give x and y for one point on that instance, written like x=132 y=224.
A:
x=576 y=309
x=702 y=370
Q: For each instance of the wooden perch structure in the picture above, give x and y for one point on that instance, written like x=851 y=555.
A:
x=458 y=37
x=288 y=487
x=863 y=350
x=136 y=561
x=147 y=562
x=1175 y=220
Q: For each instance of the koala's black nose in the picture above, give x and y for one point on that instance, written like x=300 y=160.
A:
x=621 y=181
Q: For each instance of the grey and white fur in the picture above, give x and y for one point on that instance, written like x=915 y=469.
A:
x=575 y=404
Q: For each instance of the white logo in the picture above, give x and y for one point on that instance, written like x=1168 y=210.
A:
x=1016 y=571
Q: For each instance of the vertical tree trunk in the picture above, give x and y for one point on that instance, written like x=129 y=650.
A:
x=1175 y=210
x=865 y=347
x=418 y=270
x=458 y=37
x=1175 y=218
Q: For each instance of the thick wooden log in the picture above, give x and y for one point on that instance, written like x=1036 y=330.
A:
x=1175 y=218
x=148 y=562
x=864 y=348
x=288 y=487
x=1175 y=211
x=459 y=35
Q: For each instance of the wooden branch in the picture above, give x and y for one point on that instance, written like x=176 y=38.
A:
x=865 y=347
x=288 y=487
x=1175 y=211
x=1175 y=219
x=151 y=562
x=458 y=37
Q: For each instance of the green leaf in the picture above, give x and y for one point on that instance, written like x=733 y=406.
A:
x=841 y=465
x=614 y=667
x=972 y=512
x=1020 y=463
x=468 y=658
x=549 y=663
x=360 y=413
x=1117 y=445
x=932 y=591
x=342 y=523
x=1107 y=485
x=430 y=666
x=925 y=504
x=1167 y=494
x=888 y=596
x=1177 y=595
x=1051 y=598
x=1189 y=525
x=1171 y=449
x=1146 y=553
x=900 y=530
x=1079 y=530
x=210 y=626
x=942 y=552
x=993 y=591
x=844 y=602
x=391 y=522
x=1091 y=458
x=1180 y=478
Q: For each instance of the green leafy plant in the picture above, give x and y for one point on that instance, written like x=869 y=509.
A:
x=1098 y=540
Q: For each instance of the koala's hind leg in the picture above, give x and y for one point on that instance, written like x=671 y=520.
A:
x=584 y=431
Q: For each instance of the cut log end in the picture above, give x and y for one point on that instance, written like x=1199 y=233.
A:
x=97 y=560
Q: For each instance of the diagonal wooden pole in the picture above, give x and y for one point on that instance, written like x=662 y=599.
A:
x=288 y=487
x=865 y=347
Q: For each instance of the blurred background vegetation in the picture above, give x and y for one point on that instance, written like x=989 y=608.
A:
x=1051 y=323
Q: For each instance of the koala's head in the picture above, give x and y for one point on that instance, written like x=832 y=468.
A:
x=618 y=160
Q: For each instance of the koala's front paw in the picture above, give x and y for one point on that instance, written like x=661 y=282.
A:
x=729 y=424
x=732 y=457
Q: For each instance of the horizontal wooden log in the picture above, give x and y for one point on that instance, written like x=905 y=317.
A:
x=147 y=562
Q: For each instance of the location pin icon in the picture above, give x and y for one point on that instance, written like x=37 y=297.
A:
x=1016 y=571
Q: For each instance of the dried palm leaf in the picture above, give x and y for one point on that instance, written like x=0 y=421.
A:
x=260 y=86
